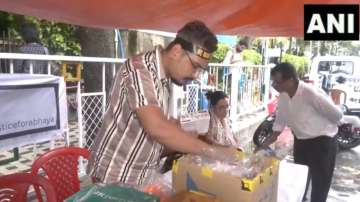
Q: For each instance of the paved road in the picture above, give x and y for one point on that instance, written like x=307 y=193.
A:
x=346 y=181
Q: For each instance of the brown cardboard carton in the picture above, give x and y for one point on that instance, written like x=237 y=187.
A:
x=225 y=187
x=188 y=196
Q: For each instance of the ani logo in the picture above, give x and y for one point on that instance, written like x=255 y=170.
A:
x=331 y=22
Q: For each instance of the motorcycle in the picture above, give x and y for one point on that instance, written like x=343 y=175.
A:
x=348 y=135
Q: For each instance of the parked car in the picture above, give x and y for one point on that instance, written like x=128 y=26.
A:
x=326 y=70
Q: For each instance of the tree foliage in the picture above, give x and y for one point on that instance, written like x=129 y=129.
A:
x=59 y=38
x=301 y=63
x=252 y=57
x=219 y=55
x=249 y=56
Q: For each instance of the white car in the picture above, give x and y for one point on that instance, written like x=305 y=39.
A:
x=326 y=70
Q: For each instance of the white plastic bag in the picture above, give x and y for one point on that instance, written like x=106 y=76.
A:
x=292 y=181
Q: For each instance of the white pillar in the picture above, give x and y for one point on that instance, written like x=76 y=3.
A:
x=234 y=92
x=266 y=72
x=79 y=115
x=104 y=88
x=11 y=66
x=175 y=101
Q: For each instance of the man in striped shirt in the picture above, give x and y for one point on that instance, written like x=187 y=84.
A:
x=135 y=128
x=30 y=35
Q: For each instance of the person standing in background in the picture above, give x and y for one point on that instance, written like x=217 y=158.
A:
x=30 y=35
x=313 y=119
x=235 y=55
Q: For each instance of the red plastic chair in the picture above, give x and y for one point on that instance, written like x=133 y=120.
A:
x=61 y=168
x=14 y=187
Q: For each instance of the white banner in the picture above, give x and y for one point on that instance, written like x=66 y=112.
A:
x=32 y=109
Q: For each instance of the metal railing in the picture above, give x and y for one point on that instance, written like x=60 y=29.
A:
x=246 y=85
x=8 y=44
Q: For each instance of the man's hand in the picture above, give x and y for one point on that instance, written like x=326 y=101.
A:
x=175 y=121
x=271 y=139
x=163 y=131
x=205 y=139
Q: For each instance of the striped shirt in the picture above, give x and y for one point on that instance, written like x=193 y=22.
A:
x=39 y=67
x=123 y=152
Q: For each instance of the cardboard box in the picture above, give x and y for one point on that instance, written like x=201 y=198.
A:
x=225 y=187
x=187 y=196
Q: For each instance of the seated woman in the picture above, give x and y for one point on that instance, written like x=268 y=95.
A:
x=219 y=127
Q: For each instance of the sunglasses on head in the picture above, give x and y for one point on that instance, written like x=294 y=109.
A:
x=188 y=46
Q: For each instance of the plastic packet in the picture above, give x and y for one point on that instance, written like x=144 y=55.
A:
x=111 y=192
x=282 y=150
x=160 y=185
x=248 y=167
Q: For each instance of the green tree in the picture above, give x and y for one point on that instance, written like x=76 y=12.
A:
x=252 y=57
x=9 y=24
x=301 y=63
x=59 y=38
x=324 y=48
x=347 y=48
x=219 y=55
x=5 y=22
x=96 y=43
x=300 y=46
x=256 y=44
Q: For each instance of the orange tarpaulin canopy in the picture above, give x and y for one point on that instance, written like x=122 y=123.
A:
x=245 y=17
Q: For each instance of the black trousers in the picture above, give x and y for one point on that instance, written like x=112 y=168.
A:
x=319 y=155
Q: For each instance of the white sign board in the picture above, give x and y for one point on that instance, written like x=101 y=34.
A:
x=273 y=52
x=32 y=109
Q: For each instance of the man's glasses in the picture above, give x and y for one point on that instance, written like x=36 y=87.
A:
x=223 y=108
x=275 y=83
x=195 y=64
